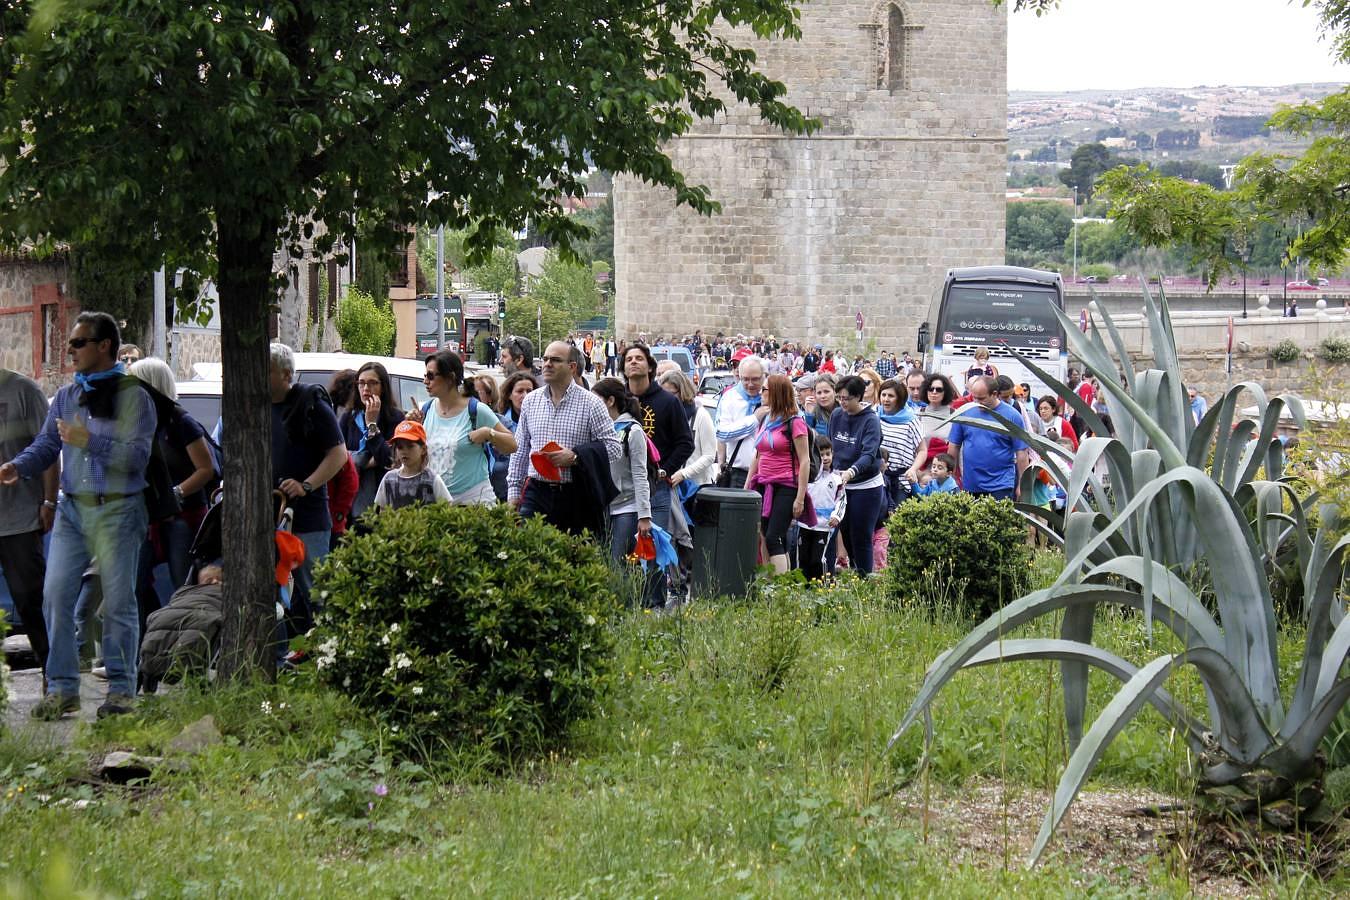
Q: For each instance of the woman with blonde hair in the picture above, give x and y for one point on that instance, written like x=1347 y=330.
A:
x=702 y=465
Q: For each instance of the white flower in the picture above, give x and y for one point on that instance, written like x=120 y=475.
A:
x=403 y=661
x=548 y=673
x=435 y=581
x=590 y=620
x=323 y=595
x=266 y=707
x=501 y=554
x=347 y=682
x=417 y=690
x=394 y=628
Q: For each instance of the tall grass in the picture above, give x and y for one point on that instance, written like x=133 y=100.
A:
x=738 y=752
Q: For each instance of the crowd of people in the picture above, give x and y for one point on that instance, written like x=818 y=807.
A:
x=832 y=446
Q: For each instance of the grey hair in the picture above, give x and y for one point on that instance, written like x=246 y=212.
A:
x=156 y=373
x=680 y=381
x=283 y=358
x=756 y=361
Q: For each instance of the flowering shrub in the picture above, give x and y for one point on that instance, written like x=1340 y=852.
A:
x=462 y=625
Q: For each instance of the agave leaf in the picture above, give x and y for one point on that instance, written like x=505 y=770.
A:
x=1090 y=450
x=1228 y=467
x=1159 y=318
x=1259 y=454
x=1198 y=628
x=1197 y=450
x=1240 y=583
x=1239 y=725
x=1051 y=648
x=1063 y=391
x=1296 y=752
x=1069 y=598
x=1092 y=353
x=1228 y=412
x=1124 y=706
x=1157 y=435
x=1122 y=354
x=1322 y=656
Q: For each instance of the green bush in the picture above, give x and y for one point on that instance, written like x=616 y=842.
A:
x=463 y=627
x=4 y=669
x=977 y=547
x=1334 y=349
x=366 y=327
x=1286 y=351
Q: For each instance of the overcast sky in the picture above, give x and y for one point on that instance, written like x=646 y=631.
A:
x=1167 y=43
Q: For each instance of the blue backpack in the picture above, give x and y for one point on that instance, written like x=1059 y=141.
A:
x=473 y=423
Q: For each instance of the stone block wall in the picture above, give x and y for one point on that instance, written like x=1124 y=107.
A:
x=904 y=179
x=18 y=277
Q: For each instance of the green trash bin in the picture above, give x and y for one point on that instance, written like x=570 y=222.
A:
x=726 y=540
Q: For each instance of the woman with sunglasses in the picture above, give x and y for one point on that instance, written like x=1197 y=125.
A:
x=856 y=433
x=458 y=427
x=940 y=393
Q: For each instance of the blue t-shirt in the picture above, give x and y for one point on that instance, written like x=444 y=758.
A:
x=988 y=459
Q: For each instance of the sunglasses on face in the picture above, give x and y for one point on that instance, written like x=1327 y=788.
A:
x=78 y=343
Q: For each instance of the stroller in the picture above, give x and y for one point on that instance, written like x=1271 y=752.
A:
x=184 y=637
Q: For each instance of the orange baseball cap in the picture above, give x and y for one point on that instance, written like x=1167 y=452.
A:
x=410 y=431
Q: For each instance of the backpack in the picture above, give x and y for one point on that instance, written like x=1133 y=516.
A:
x=653 y=455
x=812 y=451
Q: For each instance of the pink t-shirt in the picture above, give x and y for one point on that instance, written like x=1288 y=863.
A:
x=775 y=452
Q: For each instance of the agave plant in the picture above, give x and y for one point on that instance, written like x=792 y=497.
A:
x=1181 y=493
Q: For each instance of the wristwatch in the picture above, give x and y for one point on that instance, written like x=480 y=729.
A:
x=49 y=504
x=307 y=488
x=178 y=493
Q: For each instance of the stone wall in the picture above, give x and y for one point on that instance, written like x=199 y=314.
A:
x=18 y=277
x=904 y=179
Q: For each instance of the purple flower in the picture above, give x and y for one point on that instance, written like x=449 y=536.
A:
x=381 y=790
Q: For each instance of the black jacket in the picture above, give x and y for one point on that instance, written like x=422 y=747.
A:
x=591 y=474
x=664 y=421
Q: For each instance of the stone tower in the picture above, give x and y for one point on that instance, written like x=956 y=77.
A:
x=904 y=179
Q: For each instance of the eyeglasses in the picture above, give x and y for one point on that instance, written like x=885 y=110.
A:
x=77 y=343
x=555 y=360
x=934 y=387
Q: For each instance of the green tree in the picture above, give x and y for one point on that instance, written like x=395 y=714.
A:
x=567 y=286
x=365 y=324
x=1087 y=163
x=499 y=272
x=214 y=134
x=1038 y=227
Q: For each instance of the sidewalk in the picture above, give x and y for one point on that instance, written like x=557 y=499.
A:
x=25 y=689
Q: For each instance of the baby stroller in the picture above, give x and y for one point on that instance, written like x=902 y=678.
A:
x=184 y=637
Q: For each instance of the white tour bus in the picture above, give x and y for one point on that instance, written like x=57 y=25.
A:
x=1001 y=308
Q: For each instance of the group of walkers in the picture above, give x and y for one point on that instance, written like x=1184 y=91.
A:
x=831 y=454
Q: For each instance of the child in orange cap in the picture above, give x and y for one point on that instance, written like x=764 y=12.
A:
x=411 y=482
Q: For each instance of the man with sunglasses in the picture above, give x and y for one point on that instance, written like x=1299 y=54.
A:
x=101 y=427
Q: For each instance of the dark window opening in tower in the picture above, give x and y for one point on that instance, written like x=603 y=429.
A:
x=895 y=50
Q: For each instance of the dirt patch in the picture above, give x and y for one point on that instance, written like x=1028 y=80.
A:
x=1126 y=837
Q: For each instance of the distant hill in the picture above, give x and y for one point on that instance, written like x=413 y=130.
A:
x=1212 y=124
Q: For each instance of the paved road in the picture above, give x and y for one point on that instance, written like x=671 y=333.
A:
x=25 y=689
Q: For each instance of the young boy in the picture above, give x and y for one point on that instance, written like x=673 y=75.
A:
x=411 y=482
x=938 y=479
x=828 y=500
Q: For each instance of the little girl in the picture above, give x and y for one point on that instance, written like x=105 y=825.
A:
x=938 y=479
x=412 y=482
x=814 y=541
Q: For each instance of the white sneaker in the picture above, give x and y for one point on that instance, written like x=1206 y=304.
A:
x=99 y=672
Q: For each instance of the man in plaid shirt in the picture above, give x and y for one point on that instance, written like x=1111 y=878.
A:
x=567 y=414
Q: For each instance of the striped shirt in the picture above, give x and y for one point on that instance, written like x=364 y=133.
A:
x=900 y=442
x=580 y=417
x=118 y=451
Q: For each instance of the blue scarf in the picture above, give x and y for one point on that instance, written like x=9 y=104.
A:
x=88 y=382
x=771 y=426
x=904 y=416
x=754 y=402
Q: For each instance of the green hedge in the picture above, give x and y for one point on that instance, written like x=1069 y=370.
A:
x=465 y=626
x=953 y=548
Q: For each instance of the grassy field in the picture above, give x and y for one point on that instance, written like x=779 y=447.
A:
x=740 y=752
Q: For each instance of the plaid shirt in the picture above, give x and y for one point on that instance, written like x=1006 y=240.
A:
x=580 y=417
x=118 y=451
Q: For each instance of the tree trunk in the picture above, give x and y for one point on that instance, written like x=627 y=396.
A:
x=244 y=247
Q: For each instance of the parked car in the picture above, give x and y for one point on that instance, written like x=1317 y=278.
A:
x=680 y=355
x=712 y=385
x=201 y=397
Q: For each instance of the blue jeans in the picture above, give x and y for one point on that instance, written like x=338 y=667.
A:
x=113 y=533
x=860 y=521
x=303 y=607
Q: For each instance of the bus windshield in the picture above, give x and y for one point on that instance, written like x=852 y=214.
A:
x=996 y=314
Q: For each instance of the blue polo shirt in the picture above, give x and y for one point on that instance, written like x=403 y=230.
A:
x=988 y=458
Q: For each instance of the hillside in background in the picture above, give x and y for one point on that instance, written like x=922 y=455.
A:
x=1217 y=125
